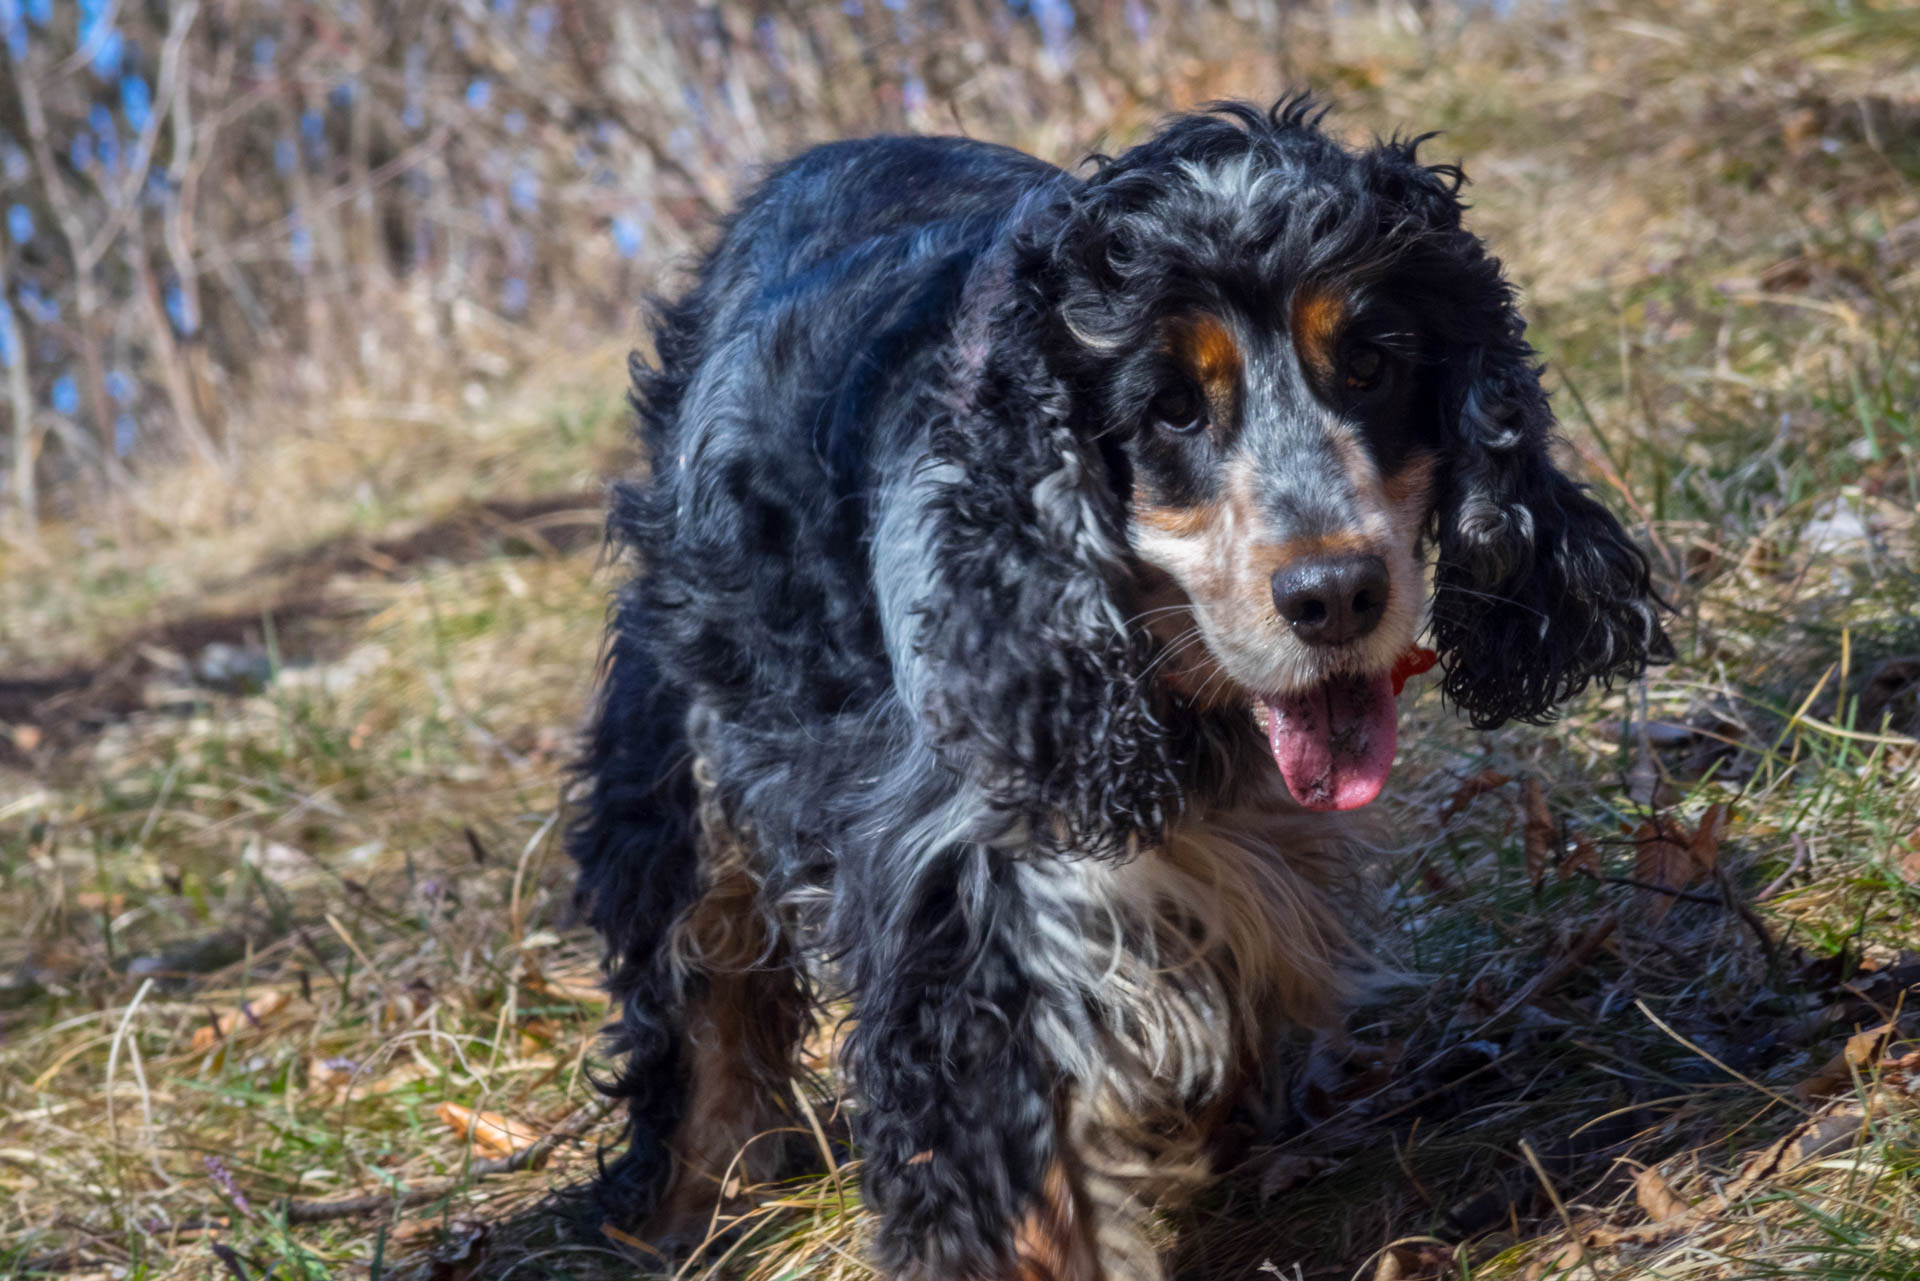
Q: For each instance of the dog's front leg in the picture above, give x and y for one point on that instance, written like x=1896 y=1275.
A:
x=961 y=1110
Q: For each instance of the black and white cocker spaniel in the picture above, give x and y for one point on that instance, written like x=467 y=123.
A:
x=1025 y=564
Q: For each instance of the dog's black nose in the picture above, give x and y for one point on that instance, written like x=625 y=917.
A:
x=1330 y=600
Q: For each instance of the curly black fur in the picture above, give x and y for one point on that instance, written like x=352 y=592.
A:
x=635 y=834
x=884 y=595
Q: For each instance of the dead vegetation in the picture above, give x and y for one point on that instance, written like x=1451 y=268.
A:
x=292 y=989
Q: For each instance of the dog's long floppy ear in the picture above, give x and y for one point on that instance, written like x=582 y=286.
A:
x=1037 y=686
x=1538 y=591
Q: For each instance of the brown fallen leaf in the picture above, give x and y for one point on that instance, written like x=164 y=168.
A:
x=226 y=1022
x=1647 y=781
x=1837 y=1128
x=1480 y=784
x=399 y=1078
x=1656 y=1196
x=331 y=1073
x=575 y=990
x=1414 y=1261
x=489 y=1131
x=537 y=1035
x=1569 y=1257
x=1898 y=1083
x=1537 y=829
x=1585 y=859
x=1659 y=859
x=1910 y=857
x=1822 y=1136
x=414 y=1234
x=629 y=1240
x=1704 y=848
x=1855 y=1058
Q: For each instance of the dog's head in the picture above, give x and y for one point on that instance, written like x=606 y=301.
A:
x=1299 y=384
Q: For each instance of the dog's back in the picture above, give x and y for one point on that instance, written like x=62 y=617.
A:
x=828 y=290
x=843 y=256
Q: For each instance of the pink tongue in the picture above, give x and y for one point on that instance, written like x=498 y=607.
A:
x=1334 y=743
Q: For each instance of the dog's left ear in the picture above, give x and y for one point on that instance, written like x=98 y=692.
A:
x=1538 y=591
x=1036 y=687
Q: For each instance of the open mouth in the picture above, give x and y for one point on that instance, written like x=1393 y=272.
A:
x=1334 y=741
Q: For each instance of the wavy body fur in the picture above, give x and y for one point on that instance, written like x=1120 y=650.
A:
x=881 y=717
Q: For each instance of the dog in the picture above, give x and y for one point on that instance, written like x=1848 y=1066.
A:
x=1025 y=562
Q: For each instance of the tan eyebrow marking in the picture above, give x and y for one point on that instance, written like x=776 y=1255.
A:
x=1318 y=315
x=1205 y=346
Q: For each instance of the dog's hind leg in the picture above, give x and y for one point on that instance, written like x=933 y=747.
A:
x=746 y=1010
x=635 y=839
x=709 y=1009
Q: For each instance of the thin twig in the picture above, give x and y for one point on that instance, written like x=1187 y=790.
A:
x=531 y=1157
x=123 y=201
x=1687 y=896
x=86 y=299
x=1749 y=917
x=60 y=1261
x=1726 y=898
x=1560 y=971
x=1801 y=856
x=325 y=202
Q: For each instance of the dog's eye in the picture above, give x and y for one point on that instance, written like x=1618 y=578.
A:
x=1179 y=408
x=1365 y=366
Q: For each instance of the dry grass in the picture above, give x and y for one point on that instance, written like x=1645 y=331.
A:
x=273 y=919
